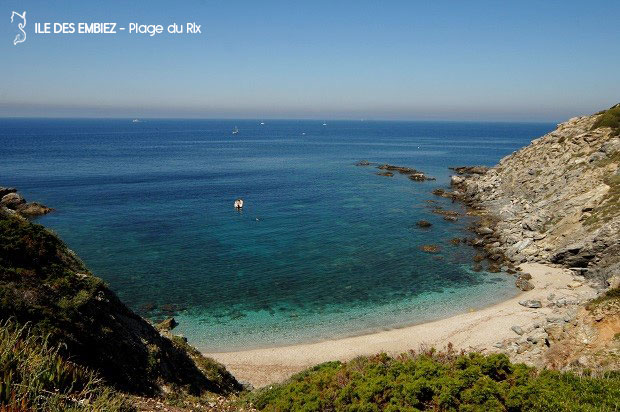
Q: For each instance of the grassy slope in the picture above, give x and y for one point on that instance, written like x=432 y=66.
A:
x=438 y=381
x=33 y=376
x=609 y=118
x=43 y=283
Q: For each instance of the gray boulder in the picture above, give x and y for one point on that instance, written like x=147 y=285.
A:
x=517 y=329
x=533 y=304
x=12 y=200
x=524 y=284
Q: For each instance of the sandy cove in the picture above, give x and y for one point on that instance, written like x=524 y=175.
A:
x=477 y=330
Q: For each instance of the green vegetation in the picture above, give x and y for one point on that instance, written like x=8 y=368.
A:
x=438 y=381
x=214 y=371
x=610 y=296
x=34 y=377
x=44 y=284
x=609 y=118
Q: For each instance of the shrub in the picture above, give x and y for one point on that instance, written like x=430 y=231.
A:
x=438 y=381
x=610 y=295
x=609 y=118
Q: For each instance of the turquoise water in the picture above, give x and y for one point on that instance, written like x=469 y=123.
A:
x=321 y=249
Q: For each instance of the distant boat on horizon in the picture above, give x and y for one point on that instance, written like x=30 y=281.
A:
x=235 y=130
x=324 y=124
x=262 y=123
x=136 y=121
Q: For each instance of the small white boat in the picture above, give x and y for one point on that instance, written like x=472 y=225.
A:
x=238 y=204
x=235 y=130
x=324 y=124
x=135 y=121
x=262 y=123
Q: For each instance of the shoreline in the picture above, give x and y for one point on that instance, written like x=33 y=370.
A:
x=478 y=330
x=368 y=331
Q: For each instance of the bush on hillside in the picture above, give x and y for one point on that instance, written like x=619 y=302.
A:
x=610 y=118
x=438 y=381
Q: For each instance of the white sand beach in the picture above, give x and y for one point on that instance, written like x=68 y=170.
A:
x=477 y=330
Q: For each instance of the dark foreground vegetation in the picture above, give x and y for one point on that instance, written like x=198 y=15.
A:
x=35 y=377
x=439 y=381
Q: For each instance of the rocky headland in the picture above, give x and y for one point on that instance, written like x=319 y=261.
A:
x=556 y=202
x=12 y=202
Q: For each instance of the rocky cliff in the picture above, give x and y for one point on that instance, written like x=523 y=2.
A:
x=557 y=202
x=558 y=199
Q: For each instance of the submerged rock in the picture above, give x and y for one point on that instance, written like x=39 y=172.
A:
x=444 y=212
x=494 y=268
x=363 y=163
x=388 y=174
x=429 y=248
x=424 y=223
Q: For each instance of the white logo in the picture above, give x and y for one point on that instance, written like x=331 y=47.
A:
x=21 y=37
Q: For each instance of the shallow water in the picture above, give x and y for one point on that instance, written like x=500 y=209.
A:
x=321 y=249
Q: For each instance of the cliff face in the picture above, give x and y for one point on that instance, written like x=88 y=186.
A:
x=44 y=283
x=558 y=199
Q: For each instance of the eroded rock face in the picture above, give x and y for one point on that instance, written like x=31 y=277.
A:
x=12 y=201
x=556 y=200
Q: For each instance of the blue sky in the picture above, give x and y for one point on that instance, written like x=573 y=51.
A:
x=454 y=60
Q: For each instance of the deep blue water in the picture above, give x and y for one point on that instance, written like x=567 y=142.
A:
x=322 y=248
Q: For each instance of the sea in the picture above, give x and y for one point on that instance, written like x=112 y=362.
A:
x=322 y=248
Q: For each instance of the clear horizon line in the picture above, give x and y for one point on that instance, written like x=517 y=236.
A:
x=317 y=119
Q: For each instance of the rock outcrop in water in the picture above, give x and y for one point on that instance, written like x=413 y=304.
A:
x=556 y=200
x=413 y=174
x=13 y=202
